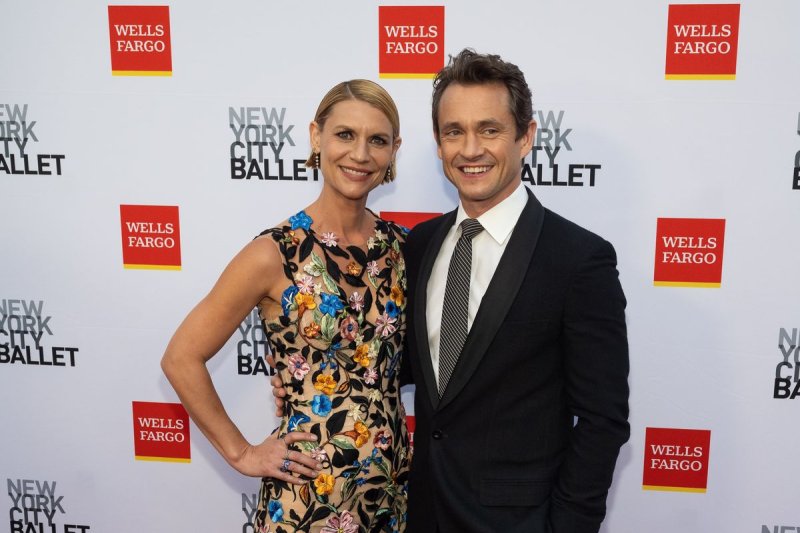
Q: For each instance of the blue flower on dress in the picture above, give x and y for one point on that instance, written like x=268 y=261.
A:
x=296 y=420
x=287 y=299
x=321 y=405
x=275 y=510
x=391 y=309
x=331 y=304
x=301 y=220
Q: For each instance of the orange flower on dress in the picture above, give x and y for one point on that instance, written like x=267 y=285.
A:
x=363 y=434
x=353 y=268
x=397 y=296
x=324 y=484
x=325 y=383
x=312 y=330
x=305 y=300
x=361 y=355
x=293 y=237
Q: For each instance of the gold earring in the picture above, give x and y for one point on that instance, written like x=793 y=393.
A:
x=316 y=159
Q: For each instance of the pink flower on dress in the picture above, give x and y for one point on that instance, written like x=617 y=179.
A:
x=318 y=454
x=370 y=376
x=382 y=440
x=298 y=366
x=384 y=325
x=356 y=301
x=373 y=269
x=340 y=524
x=330 y=239
x=349 y=328
x=306 y=285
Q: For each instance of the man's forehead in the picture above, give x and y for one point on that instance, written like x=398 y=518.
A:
x=469 y=99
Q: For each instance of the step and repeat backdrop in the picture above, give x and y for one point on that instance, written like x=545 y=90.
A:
x=141 y=146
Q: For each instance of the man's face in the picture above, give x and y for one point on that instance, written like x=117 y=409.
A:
x=477 y=144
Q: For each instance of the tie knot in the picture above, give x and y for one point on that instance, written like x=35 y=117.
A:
x=470 y=227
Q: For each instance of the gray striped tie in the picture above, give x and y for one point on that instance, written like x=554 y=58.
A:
x=455 y=307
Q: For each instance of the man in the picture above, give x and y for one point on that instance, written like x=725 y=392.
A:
x=521 y=429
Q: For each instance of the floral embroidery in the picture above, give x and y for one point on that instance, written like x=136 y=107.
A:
x=275 y=510
x=321 y=405
x=318 y=454
x=340 y=524
x=356 y=301
x=324 y=484
x=361 y=355
x=353 y=269
x=348 y=328
x=301 y=221
x=382 y=440
x=330 y=239
x=298 y=366
x=370 y=376
x=331 y=304
x=312 y=330
x=296 y=421
x=397 y=296
x=360 y=434
x=384 y=325
x=306 y=285
x=337 y=346
x=391 y=309
x=305 y=301
x=325 y=383
x=373 y=269
x=287 y=300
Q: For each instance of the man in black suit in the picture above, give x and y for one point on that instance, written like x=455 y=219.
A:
x=525 y=433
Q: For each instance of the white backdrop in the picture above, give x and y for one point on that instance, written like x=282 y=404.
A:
x=701 y=358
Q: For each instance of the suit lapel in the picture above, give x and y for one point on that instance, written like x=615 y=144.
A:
x=499 y=296
x=421 y=303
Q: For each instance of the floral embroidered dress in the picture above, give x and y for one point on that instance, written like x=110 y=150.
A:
x=337 y=347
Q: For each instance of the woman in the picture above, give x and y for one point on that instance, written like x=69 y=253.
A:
x=329 y=283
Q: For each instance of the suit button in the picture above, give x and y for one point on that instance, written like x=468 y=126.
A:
x=437 y=434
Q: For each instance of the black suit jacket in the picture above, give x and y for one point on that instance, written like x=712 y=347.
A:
x=499 y=451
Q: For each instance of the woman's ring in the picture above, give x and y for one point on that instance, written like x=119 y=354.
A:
x=285 y=465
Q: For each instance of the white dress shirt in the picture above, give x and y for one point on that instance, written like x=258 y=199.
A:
x=487 y=248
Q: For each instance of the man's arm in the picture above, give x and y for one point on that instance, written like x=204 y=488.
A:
x=595 y=351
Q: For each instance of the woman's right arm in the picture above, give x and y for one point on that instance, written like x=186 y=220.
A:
x=248 y=278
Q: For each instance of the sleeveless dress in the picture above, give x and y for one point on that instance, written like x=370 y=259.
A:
x=337 y=347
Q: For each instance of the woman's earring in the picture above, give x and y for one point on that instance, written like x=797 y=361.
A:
x=316 y=159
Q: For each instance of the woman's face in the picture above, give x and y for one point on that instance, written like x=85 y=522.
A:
x=356 y=146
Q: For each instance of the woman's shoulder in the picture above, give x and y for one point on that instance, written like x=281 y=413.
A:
x=398 y=231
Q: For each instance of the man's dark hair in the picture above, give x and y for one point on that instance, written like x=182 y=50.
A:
x=472 y=68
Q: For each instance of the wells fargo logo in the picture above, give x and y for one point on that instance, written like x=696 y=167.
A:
x=676 y=459
x=151 y=237
x=161 y=432
x=140 y=40
x=702 y=41
x=410 y=41
x=407 y=219
x=689 y=252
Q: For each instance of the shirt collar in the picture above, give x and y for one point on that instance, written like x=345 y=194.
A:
x=500 y=220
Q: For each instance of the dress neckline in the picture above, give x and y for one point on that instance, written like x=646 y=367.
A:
x=302 y=220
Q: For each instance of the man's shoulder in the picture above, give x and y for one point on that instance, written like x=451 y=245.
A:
x=564 y=227
x=570 y=240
